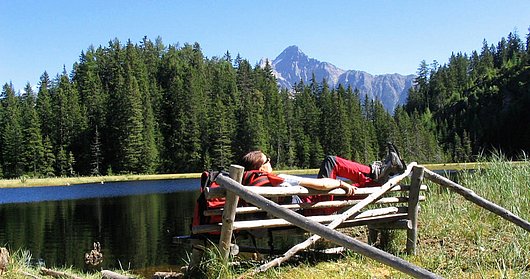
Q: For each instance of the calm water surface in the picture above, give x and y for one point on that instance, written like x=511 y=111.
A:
x=134 y=222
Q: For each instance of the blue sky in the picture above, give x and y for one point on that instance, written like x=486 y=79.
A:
x=374 y=36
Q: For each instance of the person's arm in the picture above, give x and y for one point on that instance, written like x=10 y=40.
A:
x=327 y=184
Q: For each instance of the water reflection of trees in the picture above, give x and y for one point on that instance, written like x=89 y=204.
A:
x=134 y=230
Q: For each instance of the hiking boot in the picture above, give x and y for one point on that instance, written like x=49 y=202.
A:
x=392 y=165
x=401 y=165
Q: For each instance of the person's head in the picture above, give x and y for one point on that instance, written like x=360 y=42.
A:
x=256 y=160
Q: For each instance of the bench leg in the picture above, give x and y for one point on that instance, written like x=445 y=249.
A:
x=197 y=251
x=414 y=206
x=372 y=236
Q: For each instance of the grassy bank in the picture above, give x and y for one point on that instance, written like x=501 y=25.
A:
x=66 y=181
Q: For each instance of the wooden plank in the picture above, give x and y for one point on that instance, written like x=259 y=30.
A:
x=168 y=275
x=270 y=192
x=398 y=224
x=327 y=232
x=113 y=275
x=57 y=274
x=229 y=213
x=413 y=209
x=348 y=223
x=470 y=195
x=274 y=223
x=323 y=204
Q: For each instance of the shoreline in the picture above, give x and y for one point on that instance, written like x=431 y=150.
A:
x=67 y=181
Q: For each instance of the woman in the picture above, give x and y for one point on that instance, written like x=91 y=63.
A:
x=258 y=172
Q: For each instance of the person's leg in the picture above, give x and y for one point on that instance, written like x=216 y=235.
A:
x=327 y=167
x=333 y=166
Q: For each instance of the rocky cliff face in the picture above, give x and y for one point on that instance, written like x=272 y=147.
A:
x=293 y=66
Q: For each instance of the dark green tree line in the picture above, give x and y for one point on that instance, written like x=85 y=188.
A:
x=477 y=102
x=150 y=108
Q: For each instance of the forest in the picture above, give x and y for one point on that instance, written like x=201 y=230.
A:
x=150 y=108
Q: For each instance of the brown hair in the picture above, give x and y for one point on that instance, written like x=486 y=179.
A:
x=252 y=160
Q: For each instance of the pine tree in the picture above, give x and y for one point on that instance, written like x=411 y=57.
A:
x=369 y=145
x=12 y=137
x=61 y=163
x=183 y=108
x=221 y=115
x=44 y=106
x=93 y=101
x=96 y=155
x=306 y=128
x=131 y=129
x=47 y=168
x=32 y=148
x=289 y=155
x=70 y=122
x=251 y=133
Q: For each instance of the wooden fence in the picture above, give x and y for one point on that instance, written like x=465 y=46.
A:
x=389 y=217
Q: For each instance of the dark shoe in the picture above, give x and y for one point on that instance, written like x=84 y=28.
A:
x=392 y=165
x=400 y=168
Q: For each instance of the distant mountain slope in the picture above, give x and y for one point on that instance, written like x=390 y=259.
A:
x=292 y=65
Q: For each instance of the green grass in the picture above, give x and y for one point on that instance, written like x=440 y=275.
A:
x=20 y=267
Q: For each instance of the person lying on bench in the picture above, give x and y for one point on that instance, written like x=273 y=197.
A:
x=259 y=172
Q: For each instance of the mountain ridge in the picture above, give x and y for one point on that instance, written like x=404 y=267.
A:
x=292 y=66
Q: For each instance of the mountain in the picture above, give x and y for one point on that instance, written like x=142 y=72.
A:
x=292 y=65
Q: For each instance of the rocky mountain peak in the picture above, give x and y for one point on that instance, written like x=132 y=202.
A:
x=292 y=66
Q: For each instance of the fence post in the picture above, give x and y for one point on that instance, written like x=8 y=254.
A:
x=414 y=205
x=229 y=213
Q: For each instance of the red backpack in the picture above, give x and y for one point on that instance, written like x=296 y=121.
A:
x=250 y=178
x=202 y=204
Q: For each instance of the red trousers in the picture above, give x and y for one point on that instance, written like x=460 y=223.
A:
x=335 y=166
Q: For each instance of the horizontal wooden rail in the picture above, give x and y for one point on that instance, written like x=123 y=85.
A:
x=470 y=195
x=387 y=212
x=324 y=204
x=267 y=191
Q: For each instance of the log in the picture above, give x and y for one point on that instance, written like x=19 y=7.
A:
x=113 y=275
x=413 y=209
x=346 y=224
x=371 y=198
x=327 y=233
x=470 y=195
x=270 y=192
x=323 y=204
x=29 y=275
x=400 y=224
x=275 y=223
x=168 y=275
x=4 y=259
x=57 y=274
x=229 y=214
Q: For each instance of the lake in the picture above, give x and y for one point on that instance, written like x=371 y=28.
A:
x=134 y=222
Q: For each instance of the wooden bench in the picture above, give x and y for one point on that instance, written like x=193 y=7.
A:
x=390 y=206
